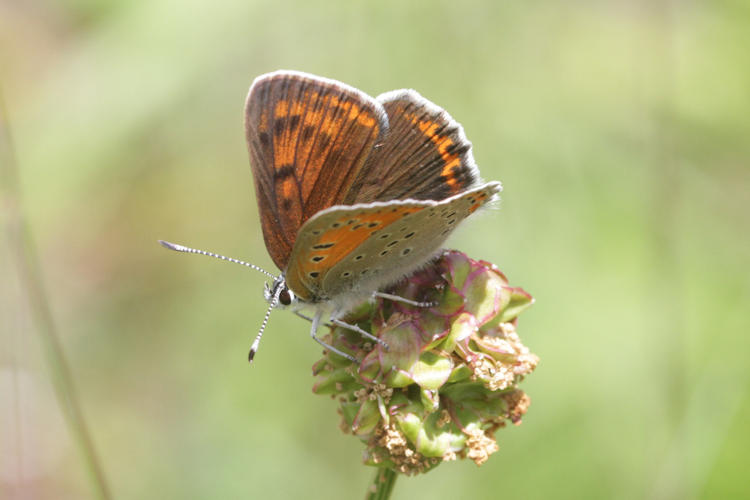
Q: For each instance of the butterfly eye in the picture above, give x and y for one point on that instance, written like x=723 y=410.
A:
x=286 y=297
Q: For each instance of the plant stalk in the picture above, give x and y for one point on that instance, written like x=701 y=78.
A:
x=26 y=263
x=382 y=485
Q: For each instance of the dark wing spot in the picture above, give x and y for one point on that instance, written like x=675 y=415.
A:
x=457 y=148
x=409 y=235
x=307 y=132
x=356 y=226
x=286 y=204
x=394 y=242
x=323 y=246
x=346 y=274
x=314 y=274
x=318 y=258
x=265 y=140
x=359 y=257
x=384 y=236
x=384 y=252
x=279 y=126
x=283 y=172
x=405 y=251
x=373 y=224
x=294 y=122
x=324 y=138
x=459 y=171
x=335 y=225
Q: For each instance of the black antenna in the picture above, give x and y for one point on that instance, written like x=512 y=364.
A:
x=183 y=248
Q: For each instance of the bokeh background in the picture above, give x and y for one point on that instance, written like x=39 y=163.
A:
x=621 y=132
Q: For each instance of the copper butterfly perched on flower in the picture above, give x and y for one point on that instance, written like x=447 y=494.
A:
x=354 y=192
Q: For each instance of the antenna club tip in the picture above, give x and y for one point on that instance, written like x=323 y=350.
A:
x=170 y=246
x=250 y=356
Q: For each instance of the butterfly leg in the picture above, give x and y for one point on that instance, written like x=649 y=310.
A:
x=360 y=331
x=308 y=318
x=314 y=330
x=303 y=316
x=342 y=324
x=396 y=298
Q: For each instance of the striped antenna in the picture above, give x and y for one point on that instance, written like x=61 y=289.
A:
x=273 y=303
x=183 y=248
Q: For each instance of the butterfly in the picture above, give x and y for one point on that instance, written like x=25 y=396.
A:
x=354 y=193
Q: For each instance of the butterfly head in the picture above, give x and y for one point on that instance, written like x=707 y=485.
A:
x=278 y=294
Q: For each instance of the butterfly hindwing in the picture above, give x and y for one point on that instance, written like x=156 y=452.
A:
x=424 y=156
x=351 y=249
x=308 y=139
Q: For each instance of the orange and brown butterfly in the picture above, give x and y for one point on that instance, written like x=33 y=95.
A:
x=354 y=192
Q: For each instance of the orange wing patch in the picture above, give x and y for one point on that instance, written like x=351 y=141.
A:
x=308 y=140
x=424 y=155
x=346 y=234
x=477 y=200
x=335 y=240
x=443 y=143
x=361 y=247
x=313 y=129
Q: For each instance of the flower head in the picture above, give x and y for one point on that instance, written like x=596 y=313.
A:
x=449 y=378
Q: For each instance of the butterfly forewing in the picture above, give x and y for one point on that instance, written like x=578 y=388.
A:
x=360 y=248
x=308 y=140
x=424 y=156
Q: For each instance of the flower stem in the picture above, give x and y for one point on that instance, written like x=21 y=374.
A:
x=30 y=275
x=382 y=486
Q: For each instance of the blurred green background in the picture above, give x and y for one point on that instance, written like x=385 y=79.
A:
x=621 y=132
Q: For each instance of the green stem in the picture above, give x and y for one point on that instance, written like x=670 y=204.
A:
x=382 y=486
x=27 y=265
